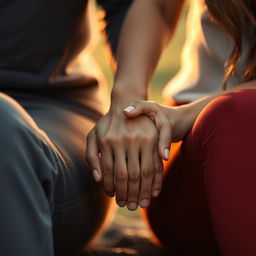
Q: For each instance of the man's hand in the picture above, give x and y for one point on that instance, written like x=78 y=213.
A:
x=124 y=154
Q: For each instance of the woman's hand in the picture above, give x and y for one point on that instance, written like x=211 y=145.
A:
x=172 y=123
x=124 y=154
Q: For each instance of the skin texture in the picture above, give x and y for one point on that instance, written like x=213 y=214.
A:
x=173 y=123
x=122 y=153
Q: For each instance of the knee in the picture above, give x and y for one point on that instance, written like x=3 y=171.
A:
x=8 y=115
x=21 y=141
x=227 y=112
x=17 y=129
x=13 y=118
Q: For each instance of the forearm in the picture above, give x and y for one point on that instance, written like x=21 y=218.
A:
x=173 y=123
x=145 y=32
x=193 y=109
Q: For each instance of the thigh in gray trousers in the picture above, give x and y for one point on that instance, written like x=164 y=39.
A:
x=50 y=204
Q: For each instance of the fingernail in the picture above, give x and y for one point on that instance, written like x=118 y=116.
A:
x=156 y=193
x=96 y=175
x=129 y=108
x=121 y=203
x=167 y=153
x=132 y=206
x=144 y=203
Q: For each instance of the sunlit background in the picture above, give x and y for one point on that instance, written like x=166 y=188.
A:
x=167 y=67
x=169 y=64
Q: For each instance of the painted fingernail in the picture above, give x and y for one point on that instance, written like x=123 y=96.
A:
x=96 y=175
x=121 y=203
x=144 y=203
x=167 y=153
x=129 y=108
x=156 y=193
x=132 y=206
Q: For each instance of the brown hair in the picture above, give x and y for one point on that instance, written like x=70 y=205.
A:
x=235 y=16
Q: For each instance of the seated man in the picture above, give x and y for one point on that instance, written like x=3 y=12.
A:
x=49 y=101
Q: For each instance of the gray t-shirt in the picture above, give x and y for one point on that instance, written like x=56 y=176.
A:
x=206 y=49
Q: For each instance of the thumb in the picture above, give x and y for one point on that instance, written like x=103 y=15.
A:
x=165 y=138
x=92 y=156
x=147 y=108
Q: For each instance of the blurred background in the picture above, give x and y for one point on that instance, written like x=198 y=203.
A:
x=169 y=63
x=167 y=67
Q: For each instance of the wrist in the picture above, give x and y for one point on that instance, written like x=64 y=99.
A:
x=191 y=111
x=186 y=114
x=126 y=93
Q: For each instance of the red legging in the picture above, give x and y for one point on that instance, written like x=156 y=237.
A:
x=208 y=202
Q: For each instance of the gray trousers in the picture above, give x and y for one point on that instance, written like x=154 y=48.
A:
x=49 y=202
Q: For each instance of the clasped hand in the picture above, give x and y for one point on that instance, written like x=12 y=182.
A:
x=125 y=151
x=123 y=154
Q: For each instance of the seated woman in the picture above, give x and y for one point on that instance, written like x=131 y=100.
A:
x=207 y=203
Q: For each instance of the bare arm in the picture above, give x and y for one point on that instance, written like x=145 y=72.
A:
x=130 y=164
x=148 y=27
x=173 y=123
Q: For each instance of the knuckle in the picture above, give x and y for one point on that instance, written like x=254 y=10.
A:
x=134 y=176
x=121 y=176
x=105 y=141
x=112 y=140
x=107 y=172
x=147 y=173
x=131 y=138
x=149 y=138
x=117 y=139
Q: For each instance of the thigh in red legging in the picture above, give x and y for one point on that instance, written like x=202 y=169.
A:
x=208 y=202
